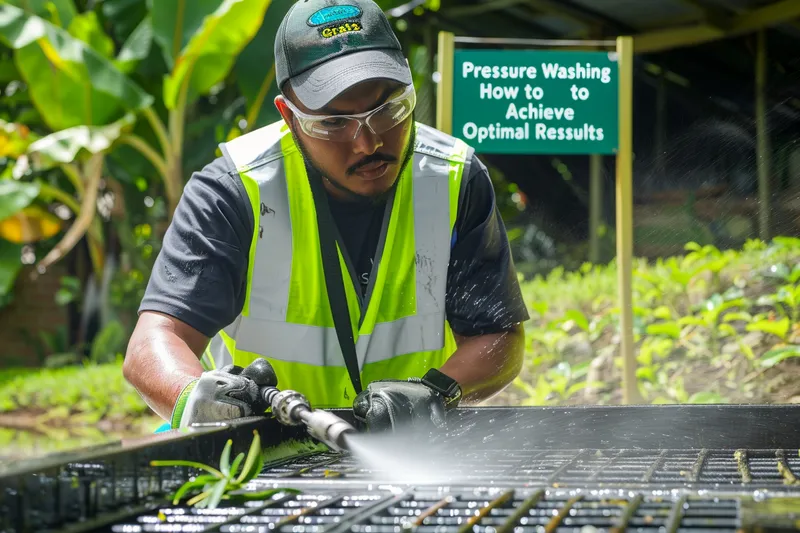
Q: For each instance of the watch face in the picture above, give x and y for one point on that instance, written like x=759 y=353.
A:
x=442 y=383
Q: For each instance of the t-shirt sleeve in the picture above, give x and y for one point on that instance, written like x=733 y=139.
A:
x=483 y=293
x=200 y=274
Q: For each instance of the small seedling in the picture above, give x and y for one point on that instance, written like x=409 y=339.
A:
x=222 y=484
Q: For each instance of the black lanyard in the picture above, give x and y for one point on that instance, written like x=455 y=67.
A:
x=334 y=282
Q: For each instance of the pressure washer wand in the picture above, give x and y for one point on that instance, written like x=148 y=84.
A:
x=292 y=409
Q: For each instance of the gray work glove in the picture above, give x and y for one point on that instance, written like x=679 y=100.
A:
x=224 y=394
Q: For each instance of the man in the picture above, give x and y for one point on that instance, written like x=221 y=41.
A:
x=357 y=251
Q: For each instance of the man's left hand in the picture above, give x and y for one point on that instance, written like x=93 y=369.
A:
x=413 y=404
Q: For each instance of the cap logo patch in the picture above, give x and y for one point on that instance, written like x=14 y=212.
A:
x=330 y=14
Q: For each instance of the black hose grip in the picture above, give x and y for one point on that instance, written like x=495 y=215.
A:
x=262 y=373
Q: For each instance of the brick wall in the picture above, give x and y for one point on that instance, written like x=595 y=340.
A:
x=33 y=309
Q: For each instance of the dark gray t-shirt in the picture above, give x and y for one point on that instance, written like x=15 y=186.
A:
x=200 y=274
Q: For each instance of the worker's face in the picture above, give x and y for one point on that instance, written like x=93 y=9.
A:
x=370 y=164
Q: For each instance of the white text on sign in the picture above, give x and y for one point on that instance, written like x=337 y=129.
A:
x=551 y=100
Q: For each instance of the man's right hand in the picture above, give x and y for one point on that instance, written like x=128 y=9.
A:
x=224 y=394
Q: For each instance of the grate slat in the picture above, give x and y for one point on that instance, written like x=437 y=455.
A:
x=522 y=510
x=627 y=514
x=676 y=516
x=563 y=512
x=566 y=465
x=784 y=469
x=698 y=465
x=743 y=465
x=500 y=500
x=433 y=509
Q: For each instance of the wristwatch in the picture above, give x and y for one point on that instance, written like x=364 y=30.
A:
x=444 y=385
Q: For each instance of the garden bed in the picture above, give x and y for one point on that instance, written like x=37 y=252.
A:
x=89 y=395
x=709 y=327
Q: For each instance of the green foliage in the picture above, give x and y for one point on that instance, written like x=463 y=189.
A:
x=90 y=91
x=69 y=144
x=59 y=12
x=225 y=482
x=10 y=266
x=136 y=47
x=15 y=196
x=255 y=68
x=109 y=342
x=69 y=291
x=707 y=327
x=212 y=49
x=74 y=395
x=776 y=355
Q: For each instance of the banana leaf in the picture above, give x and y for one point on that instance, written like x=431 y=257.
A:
x=123 y=16
x=59 y=12
x=86 y=27
x=255 y=69
x=16 y=196
x=176 y=21
x=137 y=47
x=211 y=51
x=69 y=82
x=68 y=145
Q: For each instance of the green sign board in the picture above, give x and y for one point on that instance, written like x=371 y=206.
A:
x=536 y=102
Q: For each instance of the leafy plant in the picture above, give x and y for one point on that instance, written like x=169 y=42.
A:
x=225 y=483
x=709 y=318
x=779 y=328
x=787 y=298
x=88 y=392
x=732 y=340
x=778 y=354
x=558 y=384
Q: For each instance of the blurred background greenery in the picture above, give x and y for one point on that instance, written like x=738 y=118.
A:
x=108 y=106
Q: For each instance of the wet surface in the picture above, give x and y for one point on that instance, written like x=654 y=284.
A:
x=458 y=511
x=491 y=471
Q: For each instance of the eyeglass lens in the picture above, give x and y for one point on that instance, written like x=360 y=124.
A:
x=346 y=129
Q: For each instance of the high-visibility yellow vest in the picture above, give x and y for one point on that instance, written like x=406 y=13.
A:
x=400 y=329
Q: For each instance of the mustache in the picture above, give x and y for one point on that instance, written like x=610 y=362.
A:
x=372 y=158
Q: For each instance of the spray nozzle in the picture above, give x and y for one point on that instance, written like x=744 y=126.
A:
x=291 y=408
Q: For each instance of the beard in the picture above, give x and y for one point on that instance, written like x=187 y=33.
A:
x=315 y=172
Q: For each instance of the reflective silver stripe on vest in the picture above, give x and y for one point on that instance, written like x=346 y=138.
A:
x=264 y=330
x=255 y=148
x=319 y=346
x=261 y=159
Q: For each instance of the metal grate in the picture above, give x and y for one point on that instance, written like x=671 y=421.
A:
x=662 y=468
x=648 y=487
x=482 y=511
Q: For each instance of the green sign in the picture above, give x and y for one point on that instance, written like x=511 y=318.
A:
x=536 y=102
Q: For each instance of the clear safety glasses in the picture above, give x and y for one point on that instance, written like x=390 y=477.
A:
x=345 y=128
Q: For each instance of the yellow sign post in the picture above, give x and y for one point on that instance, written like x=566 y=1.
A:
x=624 y=203
x=624 y=166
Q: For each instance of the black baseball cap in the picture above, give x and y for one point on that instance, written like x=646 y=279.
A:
x=324 y=47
